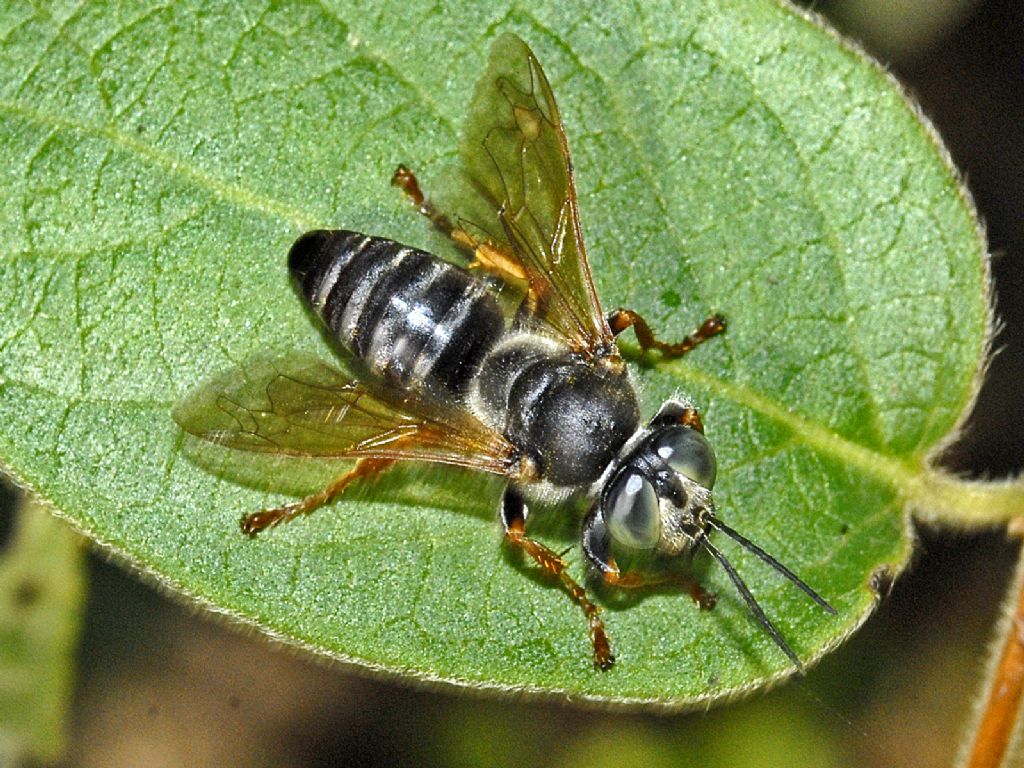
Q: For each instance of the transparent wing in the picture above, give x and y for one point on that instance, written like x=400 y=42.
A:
x=301 y=406
x=516 y=157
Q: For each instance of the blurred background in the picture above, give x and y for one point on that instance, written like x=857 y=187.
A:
x=159 y=685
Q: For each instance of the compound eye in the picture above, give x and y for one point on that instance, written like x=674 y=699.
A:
x=631 y=511
x=689 y=453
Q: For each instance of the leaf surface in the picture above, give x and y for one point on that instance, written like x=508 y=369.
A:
x=730 y=157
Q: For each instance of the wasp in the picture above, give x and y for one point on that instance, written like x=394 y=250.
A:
x=439 y=365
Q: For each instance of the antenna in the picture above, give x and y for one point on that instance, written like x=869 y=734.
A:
x=752 y=603
x=744 y=590
x=746 y=543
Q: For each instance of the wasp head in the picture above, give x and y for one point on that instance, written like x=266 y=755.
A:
x=659 y=494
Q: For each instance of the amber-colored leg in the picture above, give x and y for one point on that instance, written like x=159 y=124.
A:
x=615 y=578
x=674 y=412
x=621 y=319
x=513 y=517
x=555 y=565
x=691 y=418
x=258 y=521
x=597 y=549
x=405 y=180
x=487 y=256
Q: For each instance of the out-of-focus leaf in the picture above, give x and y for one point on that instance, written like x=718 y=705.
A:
x=41 y=603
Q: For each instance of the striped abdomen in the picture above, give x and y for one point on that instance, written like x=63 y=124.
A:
x=414 y=319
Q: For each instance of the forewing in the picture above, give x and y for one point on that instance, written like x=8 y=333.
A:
x=301 y=406
x=516 y=157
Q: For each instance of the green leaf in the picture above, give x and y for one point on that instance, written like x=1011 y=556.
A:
x=42 y=596
x=730 y=156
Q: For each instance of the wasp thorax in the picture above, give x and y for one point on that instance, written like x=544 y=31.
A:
x=572 y=418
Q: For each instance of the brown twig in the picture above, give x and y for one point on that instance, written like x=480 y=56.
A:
x=1001 y=714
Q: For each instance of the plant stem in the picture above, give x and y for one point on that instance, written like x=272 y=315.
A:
x=936 y=497
x=999 y=719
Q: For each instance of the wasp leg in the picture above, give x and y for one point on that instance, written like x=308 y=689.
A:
x=258 y=521
x=597 y=549
x=621 y=319
x=674 y=412
x=704 y=599
x=487 y=256
x=513 y=518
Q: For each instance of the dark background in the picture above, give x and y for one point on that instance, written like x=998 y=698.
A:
x=160 y=685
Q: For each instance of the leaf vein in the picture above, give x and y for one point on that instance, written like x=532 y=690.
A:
x=171 y=164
